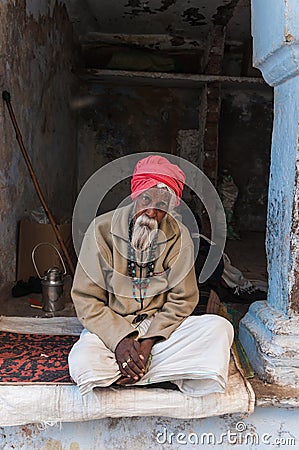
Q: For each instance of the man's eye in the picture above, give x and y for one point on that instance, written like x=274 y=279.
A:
x=145 y=199
x=163 y=206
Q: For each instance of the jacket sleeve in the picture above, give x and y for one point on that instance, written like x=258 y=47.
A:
x=90 y=296
x=181 y=299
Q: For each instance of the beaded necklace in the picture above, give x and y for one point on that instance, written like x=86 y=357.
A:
x=138 y=283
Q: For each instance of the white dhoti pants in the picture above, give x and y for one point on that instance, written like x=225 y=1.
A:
x=195 y=358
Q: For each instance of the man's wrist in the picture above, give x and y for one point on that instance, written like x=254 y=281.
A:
x=124 y=339
x=151 y=340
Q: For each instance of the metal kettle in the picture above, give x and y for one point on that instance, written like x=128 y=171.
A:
x=52 y=283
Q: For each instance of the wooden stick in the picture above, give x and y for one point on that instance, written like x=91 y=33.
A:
x=6 y=98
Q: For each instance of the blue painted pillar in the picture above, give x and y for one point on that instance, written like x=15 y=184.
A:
x=270 y=330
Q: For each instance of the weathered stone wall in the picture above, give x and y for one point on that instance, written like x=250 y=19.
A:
x=244 y=150
x=125 y=120
x=36 y=57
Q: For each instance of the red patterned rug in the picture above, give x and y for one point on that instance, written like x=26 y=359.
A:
x=34 y=358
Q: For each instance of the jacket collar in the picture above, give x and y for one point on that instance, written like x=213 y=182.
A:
x=120 y=225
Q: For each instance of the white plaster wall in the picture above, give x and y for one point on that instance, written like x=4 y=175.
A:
x=36 y=57
x=265 y=428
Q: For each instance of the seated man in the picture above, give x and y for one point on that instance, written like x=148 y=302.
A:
x=134 y=291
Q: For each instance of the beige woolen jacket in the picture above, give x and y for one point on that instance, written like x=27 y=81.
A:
x=102 y=289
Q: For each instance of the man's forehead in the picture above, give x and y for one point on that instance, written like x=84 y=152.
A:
x=158 y=193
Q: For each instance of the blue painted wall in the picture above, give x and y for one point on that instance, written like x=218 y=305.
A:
x=281 y=190
x=268 y=33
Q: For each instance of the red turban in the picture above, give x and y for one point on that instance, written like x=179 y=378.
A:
x=156 y=169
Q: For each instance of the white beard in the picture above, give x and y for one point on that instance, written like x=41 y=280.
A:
x=144 y=232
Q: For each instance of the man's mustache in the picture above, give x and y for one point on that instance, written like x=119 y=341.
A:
x=146 y=221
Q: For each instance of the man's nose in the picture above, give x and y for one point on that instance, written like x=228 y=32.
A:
x=151 y=212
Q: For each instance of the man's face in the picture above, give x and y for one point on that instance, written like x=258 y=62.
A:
x=150 y=208
x=154 y=203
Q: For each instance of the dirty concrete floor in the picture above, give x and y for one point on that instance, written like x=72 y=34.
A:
x=247 y=254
